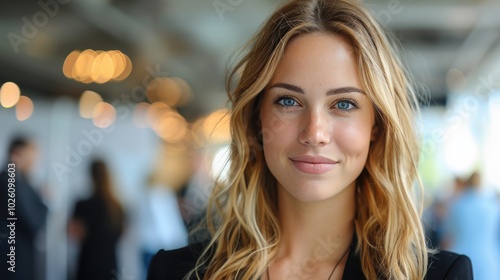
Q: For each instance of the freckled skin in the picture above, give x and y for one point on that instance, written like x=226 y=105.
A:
x=337 y=126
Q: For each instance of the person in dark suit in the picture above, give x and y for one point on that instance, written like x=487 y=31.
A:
x=29 y=211
x=324 y=158
x=98 y=223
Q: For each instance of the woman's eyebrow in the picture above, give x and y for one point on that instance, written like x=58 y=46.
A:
x=298 y=89
x=344 y=90
x=287 y=86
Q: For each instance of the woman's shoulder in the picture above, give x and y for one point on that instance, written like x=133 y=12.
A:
x=174 y=264
x=449 y=265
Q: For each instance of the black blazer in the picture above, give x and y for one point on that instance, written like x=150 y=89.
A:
x=174 y=264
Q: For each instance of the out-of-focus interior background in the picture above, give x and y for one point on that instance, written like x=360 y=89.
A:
x=140 y=84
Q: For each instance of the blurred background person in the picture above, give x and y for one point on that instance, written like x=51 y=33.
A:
x=160 y=221
x=435 y=215
x=433 y=222
x=472 y=227
x=98 y=223
x=30 y=211
x=460 y=185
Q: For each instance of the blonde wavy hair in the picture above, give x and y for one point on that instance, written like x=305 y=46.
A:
x=242 y=218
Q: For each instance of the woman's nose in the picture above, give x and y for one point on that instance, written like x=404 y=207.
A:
x=315 y=130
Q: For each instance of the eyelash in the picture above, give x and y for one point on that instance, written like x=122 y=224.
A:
x=278 y=99
x=351 y=102
x=354 y=103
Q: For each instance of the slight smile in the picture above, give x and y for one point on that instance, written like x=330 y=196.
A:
x=313 y=164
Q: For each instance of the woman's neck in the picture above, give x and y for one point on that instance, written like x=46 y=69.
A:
x=321 y=230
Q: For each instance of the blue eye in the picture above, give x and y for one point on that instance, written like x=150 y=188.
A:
x=287 y=102
x=345 y=105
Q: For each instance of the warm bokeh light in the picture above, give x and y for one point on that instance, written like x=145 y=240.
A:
x=104 y=115
x=24 y=108
x=175 y=166
x=83 y=65
x=139 y=118
x=216 y=126
x=168 y=91
x=212 y=129
x=154 y=112
x=197 y=132
x=126 y=70
x=180 y=147
x=171 y=127
x=186 y=91
x=9 y=94
x=171 y=91
x=103 y=68
x=88 y=101
x=119 y=63
x=69 y=64
x=97 y=66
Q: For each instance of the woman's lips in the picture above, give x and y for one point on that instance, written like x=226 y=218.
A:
x=313 y=164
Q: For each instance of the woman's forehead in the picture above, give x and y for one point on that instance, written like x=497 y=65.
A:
x=318 y=60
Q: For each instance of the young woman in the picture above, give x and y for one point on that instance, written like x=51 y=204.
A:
x=323 y=163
